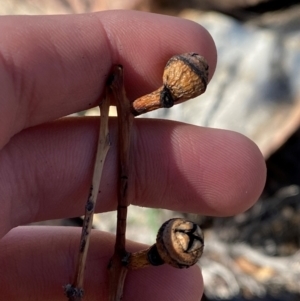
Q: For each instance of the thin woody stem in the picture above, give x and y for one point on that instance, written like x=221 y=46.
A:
x=117 y=270
x=74 y=292
x=185 y=76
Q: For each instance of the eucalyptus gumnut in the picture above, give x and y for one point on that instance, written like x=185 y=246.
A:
x=179 y=243
x=185 y=76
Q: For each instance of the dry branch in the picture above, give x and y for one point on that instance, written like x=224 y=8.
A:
x=75 y=291
x=117 y=270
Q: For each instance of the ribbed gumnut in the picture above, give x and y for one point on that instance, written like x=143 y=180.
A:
x=185 y=76
x=180 y=243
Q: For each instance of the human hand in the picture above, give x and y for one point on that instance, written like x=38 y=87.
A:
x=52 y=66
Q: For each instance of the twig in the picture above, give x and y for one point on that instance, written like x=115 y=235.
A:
x=75 y=291
x=117 y=270
x=185 y=76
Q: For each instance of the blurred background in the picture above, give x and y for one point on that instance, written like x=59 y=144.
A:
x=255 y=91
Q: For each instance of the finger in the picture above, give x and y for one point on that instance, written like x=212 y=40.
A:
x=45 y=172
x=55 y=65
x=39 y=261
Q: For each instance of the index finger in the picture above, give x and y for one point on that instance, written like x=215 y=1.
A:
x=56 y=65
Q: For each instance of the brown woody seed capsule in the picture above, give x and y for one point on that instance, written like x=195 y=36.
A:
x=185 y=76
x=179 y=243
